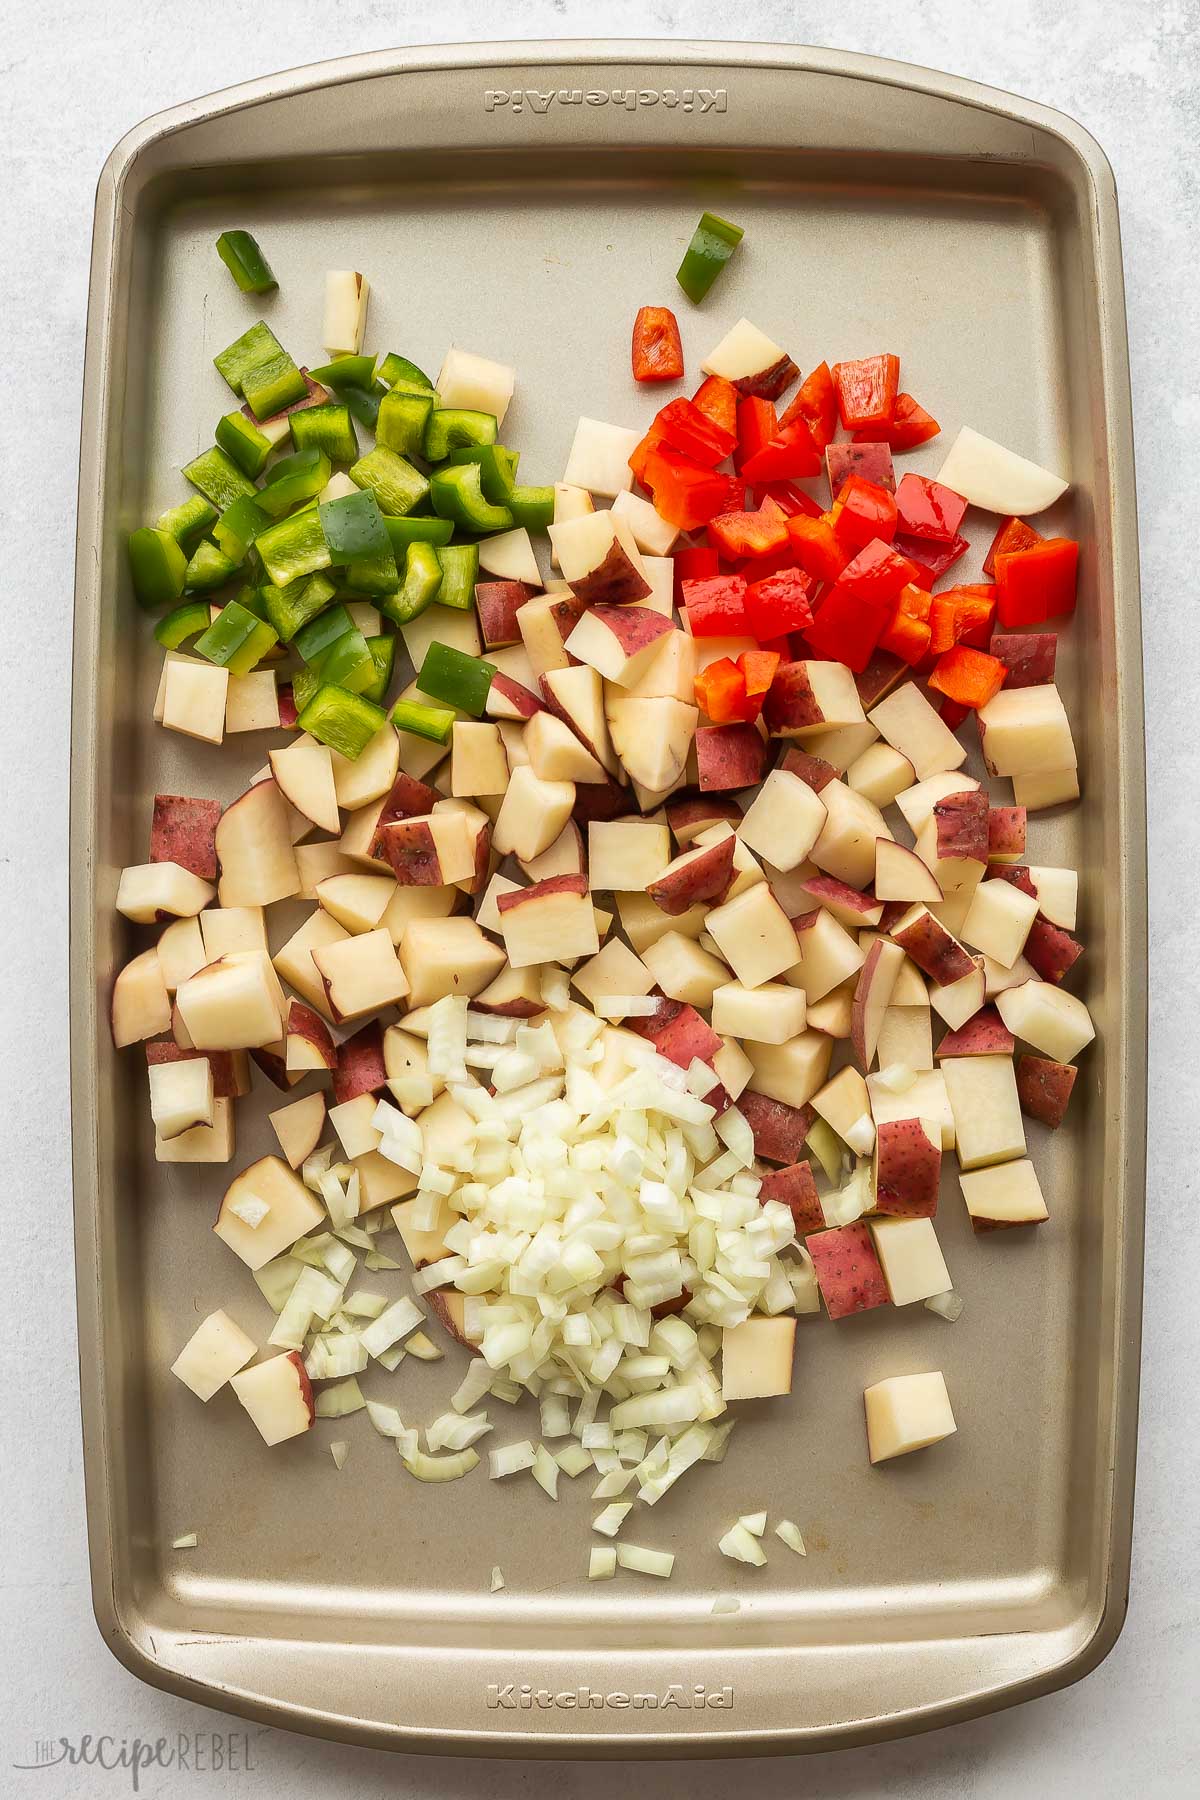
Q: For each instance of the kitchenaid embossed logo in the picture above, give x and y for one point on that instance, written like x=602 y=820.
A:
x=512 y=1696
x=540 y=101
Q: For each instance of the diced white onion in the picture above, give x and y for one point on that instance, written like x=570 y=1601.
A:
x=790 y=1534
x=741 y=1546
x=602 y=1562
x=645 y=1562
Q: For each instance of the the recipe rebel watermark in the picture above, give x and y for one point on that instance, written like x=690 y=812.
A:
x=540 y=101
x=184 y=1753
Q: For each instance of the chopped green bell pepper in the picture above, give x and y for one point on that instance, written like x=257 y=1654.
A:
x=218 y=478
x=291 y=607
x=422 y=583
x=460 y=571
x=345 y=371
x=249 y=352
x=239 y=526
x=346 y=722
x=293 y=547
x=713 y=243
x=240 y=438
x=189 y=520
x=273 y=385
x=403 y=532
x=157 y=564
x=497 y=468
x=236 y=640
x=396 y=485
x=315 y=638
x=383 y=655
x=396 y=371
x=184 y=622
x=293 y=480
x=363 y=403
x=401 y=423
x=245 y=262
x=254 y=600
x=459 y=680
x=326 y=427
x=451 y=427
x=209 y=568
x=457 y=493
x=305 y=683
x=532 y=507
x=348 y=663
x=358 y=539
x=432 y=722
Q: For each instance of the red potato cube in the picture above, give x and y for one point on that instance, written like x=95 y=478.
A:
x=934 y=950
x=1026 y=732
x=141 y=1005
x=1006 y=832
x=848 y=845
x=496 y=603
x=902 y=877
x=813 y=771
x=872 y=996
x=556 y=753
x=871 y=462
x=599 y=560
x=651 y=738
x=230 y=1075
x=779 y=1130
x=619 y=642
x=705 y=873
x=908 y=1168
x=360 y=1066
x=183 y=831
x=984 y=1035
x=515 y=994
x=729 y=756
x=1004 y=1196
x=278 y=1396
x=565 y=856
x=1029 y=656
x=576 y=696
x=254 y=849
x=784 y=820
x=443 y=956
x=1044 y=1088
x=510 y=699
x=810 y=697
x=361 y=974
x=280 y=1206
x=911 y=726
x=298 y=1127
x=552 y=921
x=688 y=814
x=1052 y=951
x=848 y=1271
x=307 y=1041
x=848 y=905
x=795 y=1187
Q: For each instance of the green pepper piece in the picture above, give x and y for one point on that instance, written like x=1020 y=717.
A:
x=157 y=564
x=326 y=427
x=432 y=722
x=354 y=526
x=189 y=520
x=497 y=468
x=348 y=663
x=246 y=353
x=345 y=371
x=396 y=485
x=401 y=423
x=236 y=640
x=245 y=262
x=532 y=507
x=293 y=480
x=451 y=427
x=239 y=526
x=291 y=607
x=460 y=571
x=315 y=638
x=422 y=583
x=273 y=385
x=383 y=655
x=459 y=680
x=713 y=243
x=395 y=370
x=209 y=568
x=293 y=547
x=240 y=438
x=457 y=493
x=305 y=683
x=363 y=403
x=254 y=600
x=346 y=722
x=185 y=621
x=403 y=532
x=218 y=478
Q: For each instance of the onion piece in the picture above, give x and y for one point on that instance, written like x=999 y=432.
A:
x=510 y=1459
x=188 y=1541
x=609 y=1521
x=545 y=1471
x=441 y=1468
x=740 y=1546
x=790 y=1535
x=755 y=1523
x=400 y=1318
x=337 y=1401
x=602 y=1562
x=947 y=1306
x=496 y=1581
x=339 y=1449
x=646 y=1562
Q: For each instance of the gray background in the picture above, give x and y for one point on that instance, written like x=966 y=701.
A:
x=72 y=79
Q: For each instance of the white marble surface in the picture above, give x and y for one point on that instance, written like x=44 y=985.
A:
x=72 y=79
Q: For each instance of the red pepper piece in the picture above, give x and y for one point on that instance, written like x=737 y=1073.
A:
x=931 y=560
x=686 y=494
x=1038 y=583
x=738 y=534
x=757 y=568
x=790 y=455
x=642 y=453
x=716 y=607
x=952 y=713
x=694 y=563
x=908 y=426
x=721 y=691
x=758 y=671
x=756 y=426
x=718 y=401
x=906 y=637
x=971 y=677
x=1014 y=534
x=873 y=461
x=816 y=404
x=779 y=604
x=816 y=547
x=847 y=628
x=682 y=425
x=865 y=512
x=876 y=574
x=866 y=390
x=657 y=351
x=789 y=500
x=927 y=509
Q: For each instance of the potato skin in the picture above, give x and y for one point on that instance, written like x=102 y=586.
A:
x=1044 y=1088
x=729 y=756
x=613 y=582
x=848 y=1271
x=798 y=1191
x=183 y=830
x=779 y=1129
x=908 y=1168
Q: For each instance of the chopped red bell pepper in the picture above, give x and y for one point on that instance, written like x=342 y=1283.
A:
x=758 y=671
x=1038 y=583
x=961 y=615
x=866 y=391
x=757 y=568
x=908 y=426
x=778 y=605
x=952 y=713
x=738 y=534
x=873 y=461
x=721 y=691
x=717 y=400
x=1014 y=534
x=927 y=509
x=657 y=351
x=815 y=403
x=639 y=461
x=864 y=512
x=847 y=628
x=816 y=547
x=694 y=563
x=789 y=500
x=790 y=455
x=686 y=494
x=930 y=560
x=906 y=637
x=876 y=574
x=682 y=425
x=971 y=677
x=717 y=607
x=756 y=426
